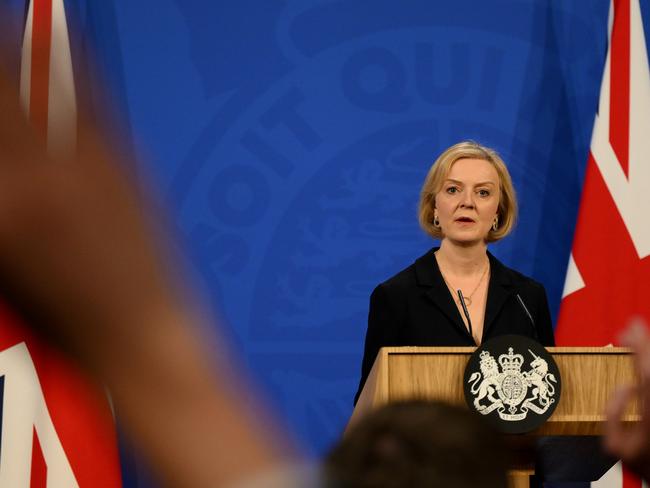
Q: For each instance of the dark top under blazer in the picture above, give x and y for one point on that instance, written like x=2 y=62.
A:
x=415 y=308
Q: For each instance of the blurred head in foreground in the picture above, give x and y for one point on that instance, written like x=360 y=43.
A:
x=418 y=443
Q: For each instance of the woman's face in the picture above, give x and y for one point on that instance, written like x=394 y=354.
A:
x=467 y=202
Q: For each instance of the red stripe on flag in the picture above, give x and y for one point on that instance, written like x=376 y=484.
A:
x=630 y=480
x=78 y=408
x=40 y=68
x=82 y=417
x=619 y=123
x=617 y=284
x=39 y=469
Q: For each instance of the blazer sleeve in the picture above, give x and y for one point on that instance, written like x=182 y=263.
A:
x=543 y=320
x=380 y=332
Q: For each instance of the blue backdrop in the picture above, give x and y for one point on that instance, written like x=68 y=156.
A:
x=290 y=140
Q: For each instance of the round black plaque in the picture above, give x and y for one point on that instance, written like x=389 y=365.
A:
x=513 y=382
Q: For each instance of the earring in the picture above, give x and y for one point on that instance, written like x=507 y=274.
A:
x=436 y=222
x=495 y=224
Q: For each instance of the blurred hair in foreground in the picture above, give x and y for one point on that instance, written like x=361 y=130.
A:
x=418 y=443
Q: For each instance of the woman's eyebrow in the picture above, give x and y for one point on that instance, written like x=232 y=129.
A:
x=482 y=183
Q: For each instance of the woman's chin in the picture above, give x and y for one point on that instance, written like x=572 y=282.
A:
x=466 y=241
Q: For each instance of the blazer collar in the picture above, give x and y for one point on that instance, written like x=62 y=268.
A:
x=501 y=287
x=428 y=276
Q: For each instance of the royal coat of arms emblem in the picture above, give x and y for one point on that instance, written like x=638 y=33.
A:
x=511 y=389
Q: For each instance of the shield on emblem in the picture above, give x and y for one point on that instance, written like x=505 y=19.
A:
x=513 y=390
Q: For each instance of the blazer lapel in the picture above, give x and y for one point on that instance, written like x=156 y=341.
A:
x=499 y=289
x=428 y=275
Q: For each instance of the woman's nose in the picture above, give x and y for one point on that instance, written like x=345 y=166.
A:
x=467 y=200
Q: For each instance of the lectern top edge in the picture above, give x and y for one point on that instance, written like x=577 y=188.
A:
x=469 y=350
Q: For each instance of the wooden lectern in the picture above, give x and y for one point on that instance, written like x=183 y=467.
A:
x=589 y=376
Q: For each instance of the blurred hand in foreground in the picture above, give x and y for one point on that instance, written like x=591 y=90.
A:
x=631 y=443
x=84 y=261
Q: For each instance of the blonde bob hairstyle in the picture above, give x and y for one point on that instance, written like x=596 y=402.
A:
x=507 y=210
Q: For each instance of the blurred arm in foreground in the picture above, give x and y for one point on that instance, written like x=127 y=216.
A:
x=84 y=261
x=632 y=443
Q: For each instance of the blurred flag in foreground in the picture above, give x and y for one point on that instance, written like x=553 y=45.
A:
x=57 y=428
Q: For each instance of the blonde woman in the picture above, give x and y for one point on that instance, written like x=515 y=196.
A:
x=459 y=294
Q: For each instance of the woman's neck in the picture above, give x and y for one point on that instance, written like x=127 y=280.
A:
x=462 y=260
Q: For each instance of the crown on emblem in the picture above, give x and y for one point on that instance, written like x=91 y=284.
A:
x=510 y=361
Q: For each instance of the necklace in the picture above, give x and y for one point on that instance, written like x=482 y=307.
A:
x=468 y=299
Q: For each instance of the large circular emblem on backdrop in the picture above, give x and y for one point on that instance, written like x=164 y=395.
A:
x=514 y=382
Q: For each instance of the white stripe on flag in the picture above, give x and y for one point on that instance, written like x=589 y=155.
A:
x=573 y=281
x=26 y=60
x=62 y=110
x=612 y=479
x=631 y=192
x=62 y=105
x=25 y=410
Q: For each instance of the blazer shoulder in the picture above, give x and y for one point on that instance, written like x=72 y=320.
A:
x=418 y=273
x=528 y=283
x=518 y=279
x=397 y=285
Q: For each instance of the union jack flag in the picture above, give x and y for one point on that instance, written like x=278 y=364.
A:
x=608 y=279
x=57 y=428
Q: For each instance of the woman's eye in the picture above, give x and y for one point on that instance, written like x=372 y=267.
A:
x=452 y=190
x=484 y=193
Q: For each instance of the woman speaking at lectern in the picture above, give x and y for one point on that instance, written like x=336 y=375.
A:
x=459 y=294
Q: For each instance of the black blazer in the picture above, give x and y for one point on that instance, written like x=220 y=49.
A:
x=415 y=308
